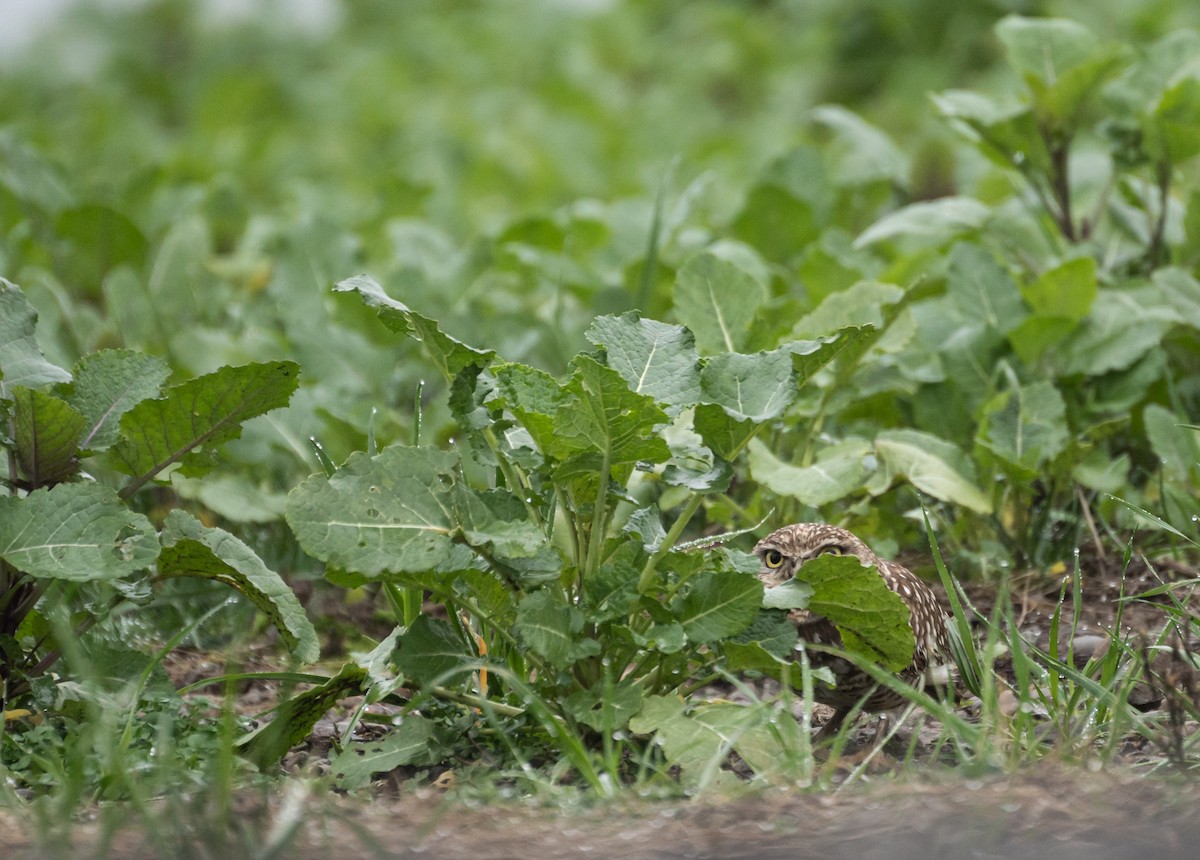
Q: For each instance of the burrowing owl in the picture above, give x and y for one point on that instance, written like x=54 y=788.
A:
x=783 y=552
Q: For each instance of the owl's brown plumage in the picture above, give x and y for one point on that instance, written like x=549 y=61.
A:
x=784 y=551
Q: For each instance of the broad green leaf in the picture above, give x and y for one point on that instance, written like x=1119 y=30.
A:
x=191 y=549
x=792 y=594
x=1044 y=48
x=721 y=432
x=606 y=707
x=772 y=629
x=1007 y=134
x=654 y=358
x=982 y=290
x=413 y=741
x=776 y=221
x=238 y=498
x=933 y=465
x=837 y=472
x=79 y=532
x=718 y=604
x=100 y=239
x=46 y=433
x=430 y=652
x=1025 y=426
x=859 y=305
x=1140 y=87
x=872 y=619
x=405 y=510
x=1173 y=132
x=699 y=741
x=31 y=178
x=613 y=590
x=717 y=300
x=1177 y=445
x=296 y=716
x=1066 y=291
x=21 y=359
x=755 y=387
x=846 y=346
x=605 y=418
x=935 y=222
x=553 y=630
x=188 y=424
x=107 y=385
x=1119 y=331
x=534 y=397
x=449 y=355
x=861 y=153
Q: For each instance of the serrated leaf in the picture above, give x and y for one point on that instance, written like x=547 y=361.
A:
x=772 y=629
x=722 y=433
x=1025 y=426
x=718 y=301
x=193 y=418
x=554 y=630
x=107 y=385
x=46 y=433
x=447 y=353
x=612 y=591
x=413 y=741
x=295 y=717
x=606 y=418
x=78 y=532
x=21 y=359
x=933 y=465
x=837 y=472
x=654 y=358
x=755 y=387
x=718 y=604
x=934 y=221
x=793 y=594
x=191 y=549
x=405 y=510
x=858 y=305
x=606 y=708
x=429 y=652
x=533 y=397
x=982 y=290
x=872 y=619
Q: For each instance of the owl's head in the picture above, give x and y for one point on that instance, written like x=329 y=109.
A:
x=782 y=552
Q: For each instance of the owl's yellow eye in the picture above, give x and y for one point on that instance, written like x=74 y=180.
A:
x=772 y=558
x=833 y=549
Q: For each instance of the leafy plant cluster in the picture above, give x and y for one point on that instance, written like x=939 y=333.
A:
x=1007 y=321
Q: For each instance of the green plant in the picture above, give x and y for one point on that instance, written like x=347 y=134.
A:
x=73 y=547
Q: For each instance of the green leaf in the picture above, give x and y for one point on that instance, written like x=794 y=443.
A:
x=837 y=472
x=553 y=630
x=191 y=549
x=718 y=604
x=1176 y=444
x=861 y=153
x=107 y=385
x=21 y=359
x=604 y=417
x=654 y=358
x=792 y=594
x=722 y=433
x=755 y=387
x=606 y=707
x=613 y=590
x=406 y=510
x=413 y=741
x=533 y=397
x=1173 y=134
x=718 y=301
x=1065 y=291
x=1119 y=331
x=933 y=465
x=194 y=418
x=448 y=354
x=79 y=532
x=872 y=619
x=296 y=716
x=429 y=652
x=772 y=629
x=934 y=222
x=1025 y=426
x=982 y=290
x=859 y=305
x=46 y=433
x=100 y=239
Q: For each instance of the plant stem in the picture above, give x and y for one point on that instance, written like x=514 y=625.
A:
x=647 y=576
